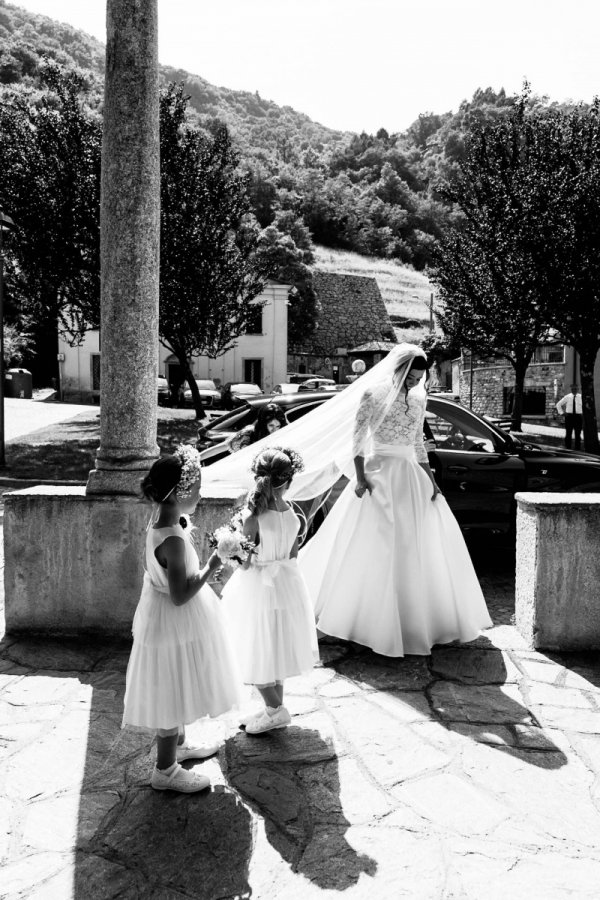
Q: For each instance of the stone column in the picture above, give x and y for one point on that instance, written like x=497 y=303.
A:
x=129 y=245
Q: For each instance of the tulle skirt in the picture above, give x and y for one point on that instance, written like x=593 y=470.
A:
x=391 y=571
x=271 y=621
x=182 y=665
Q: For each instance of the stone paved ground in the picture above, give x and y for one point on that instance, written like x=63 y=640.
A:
x=468 y=775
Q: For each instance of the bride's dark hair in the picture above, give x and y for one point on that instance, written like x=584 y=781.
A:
x=418 y=363
x=272 y=468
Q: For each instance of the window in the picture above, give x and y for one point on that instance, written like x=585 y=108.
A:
x=95 y=366
x=549 y=353
x=455 y=429
x=255 y=320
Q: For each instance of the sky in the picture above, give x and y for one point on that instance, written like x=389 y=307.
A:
x=359 y=65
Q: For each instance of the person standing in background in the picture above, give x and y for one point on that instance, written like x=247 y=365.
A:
x=571 y=407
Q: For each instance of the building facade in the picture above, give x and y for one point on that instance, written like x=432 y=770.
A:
x=487 y=384
x=259 y=356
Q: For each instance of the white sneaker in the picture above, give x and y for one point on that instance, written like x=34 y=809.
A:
x=196 y=751
x=183 y=780
x=266 y=722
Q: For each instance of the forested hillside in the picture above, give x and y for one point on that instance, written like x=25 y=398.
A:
x=371 y=194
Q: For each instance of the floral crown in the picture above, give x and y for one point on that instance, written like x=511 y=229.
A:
x=296 y=462
x=189 y=458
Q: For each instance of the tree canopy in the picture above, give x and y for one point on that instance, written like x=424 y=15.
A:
x=50 y=145
x=524 y=254
x=209 y=268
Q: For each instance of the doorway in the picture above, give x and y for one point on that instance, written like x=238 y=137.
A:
x=253 y=371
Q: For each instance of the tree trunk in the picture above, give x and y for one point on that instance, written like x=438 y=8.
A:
x=189 y=377
x=587 y=356
x=517 y=410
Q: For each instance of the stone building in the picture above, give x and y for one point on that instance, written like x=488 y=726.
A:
x=352 y=314
x=487 y=384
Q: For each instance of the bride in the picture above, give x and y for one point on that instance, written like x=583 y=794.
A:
x=389 y=567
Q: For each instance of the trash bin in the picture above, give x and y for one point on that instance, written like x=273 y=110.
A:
x=18 y=383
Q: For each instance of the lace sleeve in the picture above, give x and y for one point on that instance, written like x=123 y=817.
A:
x=419 y=444
x=361 y=424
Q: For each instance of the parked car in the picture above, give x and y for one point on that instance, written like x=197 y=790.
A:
x=234 y=393
x=213 y=438
x=316 y=383
x=163 y=391
x=299 y=377
x=285 y=389
x=210 y=396
x=478 y=466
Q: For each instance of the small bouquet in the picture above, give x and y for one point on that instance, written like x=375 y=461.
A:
x=231 y=544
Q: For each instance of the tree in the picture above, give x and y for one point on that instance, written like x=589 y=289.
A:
x=18 y=342
x=287 y=260
x=527 y=254
x=210 y=270
x=492 y=267
x=571 y=301
x=50 y=185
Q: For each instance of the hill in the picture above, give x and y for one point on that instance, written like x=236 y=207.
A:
x=375 y=195
x=25 y=38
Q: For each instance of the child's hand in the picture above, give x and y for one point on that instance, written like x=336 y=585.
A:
x=214 y=562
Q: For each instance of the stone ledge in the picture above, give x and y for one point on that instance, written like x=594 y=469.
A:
x=544 y=500
x=74 y=562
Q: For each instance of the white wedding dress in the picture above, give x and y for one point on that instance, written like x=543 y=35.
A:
x=391 y=571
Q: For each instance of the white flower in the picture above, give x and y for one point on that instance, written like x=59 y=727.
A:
x=229 y=543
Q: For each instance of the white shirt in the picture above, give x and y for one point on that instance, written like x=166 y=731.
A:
x=566 y=404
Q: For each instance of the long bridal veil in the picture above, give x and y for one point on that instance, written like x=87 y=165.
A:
x=323 y=437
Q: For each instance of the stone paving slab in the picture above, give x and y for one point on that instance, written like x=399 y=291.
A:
x=472 y=774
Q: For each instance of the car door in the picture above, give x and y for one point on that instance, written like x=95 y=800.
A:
x=474 y=466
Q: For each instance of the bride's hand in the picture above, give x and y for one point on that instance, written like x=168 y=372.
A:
x=436 y=491
x=362 y=487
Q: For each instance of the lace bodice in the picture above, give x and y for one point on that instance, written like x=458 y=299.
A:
x=403 y=423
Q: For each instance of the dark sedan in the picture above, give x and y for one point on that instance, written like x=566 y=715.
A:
x=478 y=466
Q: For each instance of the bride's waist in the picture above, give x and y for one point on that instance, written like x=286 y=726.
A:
x=403 y=451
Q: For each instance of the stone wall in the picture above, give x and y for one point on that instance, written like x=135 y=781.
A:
x=489 y=383
x=74 y=563
x=352 y=312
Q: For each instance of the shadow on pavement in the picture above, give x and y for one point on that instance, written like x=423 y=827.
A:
x=291 y=778
x=89 y=824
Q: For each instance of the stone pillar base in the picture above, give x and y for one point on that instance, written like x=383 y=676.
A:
x=557 y=592
x=74 y=562
x=122 y=482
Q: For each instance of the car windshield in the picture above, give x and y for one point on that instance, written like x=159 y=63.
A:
x=206 y=385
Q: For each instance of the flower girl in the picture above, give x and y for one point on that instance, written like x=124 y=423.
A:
x=269 y=610
x=181 y=665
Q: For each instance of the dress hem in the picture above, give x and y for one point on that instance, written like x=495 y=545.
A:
x=440 y=641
